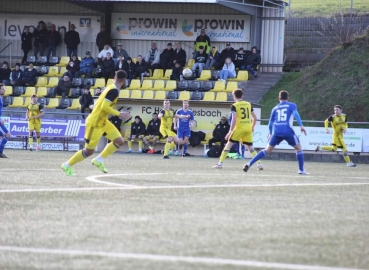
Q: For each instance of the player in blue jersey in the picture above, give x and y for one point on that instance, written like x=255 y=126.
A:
x=183 y=125
x=4 y=133
x=280 y=129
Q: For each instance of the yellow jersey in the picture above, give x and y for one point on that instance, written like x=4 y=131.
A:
x=243 y=110
x=98 y=117
x=167 y=119
x=338 y=123
x=33 y=110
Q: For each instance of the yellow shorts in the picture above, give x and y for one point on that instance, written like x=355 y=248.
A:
x=242 y=136
x=339 y=143
x=167 y=132
x=34 y=126
x=148 y=137
x=93 y=134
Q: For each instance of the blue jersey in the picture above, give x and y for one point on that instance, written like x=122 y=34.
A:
x=1 y=107
x=184 y=123
x=281 y=119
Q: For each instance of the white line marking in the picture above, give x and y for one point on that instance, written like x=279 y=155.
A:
x=153 y=257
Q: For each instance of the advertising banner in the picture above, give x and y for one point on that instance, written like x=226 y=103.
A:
x=180 y=27
x=365 y=140
x=44 y=146
x=12 y=25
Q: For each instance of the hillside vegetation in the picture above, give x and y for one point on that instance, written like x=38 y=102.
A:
x=340 y=78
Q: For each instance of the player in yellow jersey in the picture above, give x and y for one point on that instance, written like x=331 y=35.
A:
x=339 y=125
x=98 y=125
x=241 y=128
x=166 y=116
x=34 y=113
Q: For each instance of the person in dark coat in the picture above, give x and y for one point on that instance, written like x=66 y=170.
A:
x=253 y=59
x=5 y=73
x=180 y=55
x=16 y=76
x=29 y=76
x=39 y=43
x=103 y=38
x=219 y=133
x=86 y=66
x=72 y=40
x=142 y=69
x=86 y=100
x=26 y=43
x=228 y=52
x=108 y=67
x=176 y=72
x=63 y=87
x=239 y=58
x=73 y=67
x=53 y=39
x=130 y=68
x=138 y=131
x=167 y=57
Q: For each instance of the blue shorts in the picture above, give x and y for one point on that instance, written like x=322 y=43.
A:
x=291 y=139
x=181 y=133
x=3 y=130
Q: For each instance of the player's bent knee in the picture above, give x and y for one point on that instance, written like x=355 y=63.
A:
x=119 y=141
x=345 y=154
x=87 y=152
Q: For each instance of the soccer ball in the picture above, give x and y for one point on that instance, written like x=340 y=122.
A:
x=187 y=72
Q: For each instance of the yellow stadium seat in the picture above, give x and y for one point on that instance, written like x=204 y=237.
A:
x=167 y=74
x=62 y=71
x=148 y=94
x=75 y=105
x=184 y=95
x=158 y=74
x=53 y=81
x=146 y=85
x=110 y=81
x=209 y=96
x=136 y=94
x=41 y=81
x=53 y=103
x=135 y=84
x=134 y=60
x=41 y=92
x=231 y=86
x=221 y=96
x=29 y=91
x=124 y=94
x=64 y=60
x=8 y=90
x=17 y=102
x=219 y=86
x=170 y=86
x=160 y=95
x=242 y=75
x=100 y=82
x=53 y=71
x=158 y=85
x=27 y=101
x=190 y=63
x=205 y=75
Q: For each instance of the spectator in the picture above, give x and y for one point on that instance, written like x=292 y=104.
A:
x=152 y=58
x=102 y=54
x=219 y=133
x=253 y=59
x=5 y=73
x=130 y=68
x=103 y=38
x=120 y=51
x=119 y=64
x=26 y=43
x=72 y=40
x=202 y=40
x=240 y=58
x=141 y=68
x=153 y=133
x=39 y=34
x=53 y=39
x=86 y=100
x=138 y=131
x=179 y=55
x=73 y=67
x=16 y=75
x=98 y=92
x=227 y=52
x=176 y=72
x=228 y=71
x=200 y=60
x=167 y=57
x=213 y=58
x=86 y=66
x=29 y=76
x=63 y=87
x=108 y=67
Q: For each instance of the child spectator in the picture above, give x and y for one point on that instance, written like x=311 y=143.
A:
x=86 y=100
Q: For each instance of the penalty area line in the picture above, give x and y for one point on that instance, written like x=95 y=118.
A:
x=169 y=258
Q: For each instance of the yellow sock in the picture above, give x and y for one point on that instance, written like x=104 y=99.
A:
x=166 y=149
x=254 y=153
x=109 y=149
x=347 y=159
x=140 y=145
x=129 y=144
x=172 y=145
x=224 y=155
x=77 y=157
x=38 y=140
x=30 y=141
x=327 y=148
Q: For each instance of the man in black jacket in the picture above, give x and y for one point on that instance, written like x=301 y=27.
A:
x=180 y=55
x=103 y=38
x=167 y=57
x=40 y=39
x=72 y=40
x=138 y=131
x=53 y=40
x=153 y=133
x=253 y=59
x=176 y=72
x=239 y=58
x=219 y=132
x=108 y=67
x=16 y=75
x=86 y=100
x=227 y=52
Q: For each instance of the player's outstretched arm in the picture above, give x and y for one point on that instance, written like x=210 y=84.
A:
x=326 y=125
x=161 y=114
x=299 y=122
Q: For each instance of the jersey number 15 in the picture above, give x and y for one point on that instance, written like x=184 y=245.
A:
x=282 y=115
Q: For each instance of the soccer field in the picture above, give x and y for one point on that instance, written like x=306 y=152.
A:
x=150 y=213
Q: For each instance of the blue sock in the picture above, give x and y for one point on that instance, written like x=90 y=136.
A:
x=2 y=144
x=300 y=159
x=259 y=156
x=185 y=148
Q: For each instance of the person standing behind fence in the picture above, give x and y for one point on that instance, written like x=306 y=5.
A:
x=34 y=113
x=86 y=100
x=53 y=39
x=72 y=40
x=103 y=38
x=40 y=39
x=26 y=43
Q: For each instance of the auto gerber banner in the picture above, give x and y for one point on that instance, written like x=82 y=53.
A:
x=180 y=27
